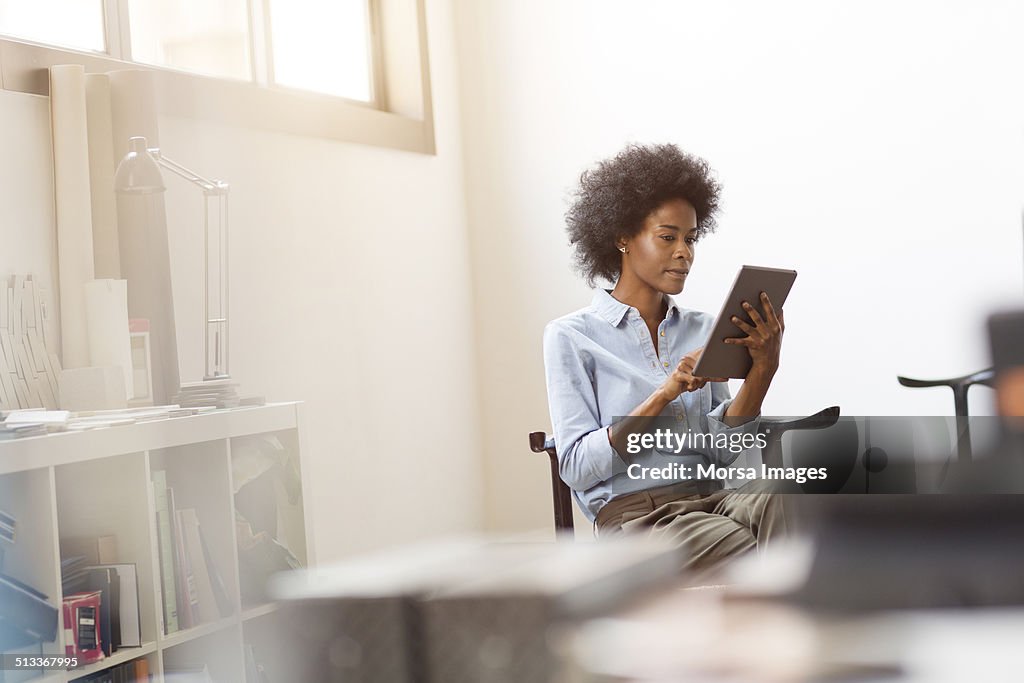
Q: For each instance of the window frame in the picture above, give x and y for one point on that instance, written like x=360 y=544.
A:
x=259 y=103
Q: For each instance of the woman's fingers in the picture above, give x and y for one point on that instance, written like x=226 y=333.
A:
x=742 y=341
x=754 y=315
x=683 y=374
x=774 y=324
x=742 y=324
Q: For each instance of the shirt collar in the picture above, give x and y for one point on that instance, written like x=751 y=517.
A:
x=613 y=310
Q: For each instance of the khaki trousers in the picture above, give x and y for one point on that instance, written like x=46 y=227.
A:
x=711 y=527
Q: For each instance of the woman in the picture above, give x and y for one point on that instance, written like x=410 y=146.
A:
x=614 y=367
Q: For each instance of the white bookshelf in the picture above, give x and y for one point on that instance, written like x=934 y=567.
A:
x=99 y=482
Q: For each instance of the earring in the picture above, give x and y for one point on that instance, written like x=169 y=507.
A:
x=623 y=250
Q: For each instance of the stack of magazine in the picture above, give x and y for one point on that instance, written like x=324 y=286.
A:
x=193 y=589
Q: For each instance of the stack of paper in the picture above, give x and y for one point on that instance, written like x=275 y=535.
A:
x=19 y=423
x=219 y=393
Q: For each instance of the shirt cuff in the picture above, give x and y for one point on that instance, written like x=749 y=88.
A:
x=717 y=425
x=600 y=453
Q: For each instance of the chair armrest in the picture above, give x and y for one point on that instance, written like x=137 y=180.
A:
x=541 y=442
x=773 y=429
x=820 y=420
x=985 y=377
x=959 y=385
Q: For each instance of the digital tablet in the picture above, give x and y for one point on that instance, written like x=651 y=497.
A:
x=732 y=360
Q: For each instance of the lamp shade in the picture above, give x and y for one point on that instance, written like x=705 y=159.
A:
x=138 y=172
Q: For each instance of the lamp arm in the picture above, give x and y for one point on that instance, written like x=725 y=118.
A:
x=209 y=186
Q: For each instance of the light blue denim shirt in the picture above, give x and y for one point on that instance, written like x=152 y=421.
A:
x=601 y=364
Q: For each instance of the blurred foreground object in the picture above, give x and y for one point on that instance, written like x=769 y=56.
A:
x=1006 y=338
x=475 y=609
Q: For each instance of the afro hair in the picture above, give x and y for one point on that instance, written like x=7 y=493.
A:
x=616 y=195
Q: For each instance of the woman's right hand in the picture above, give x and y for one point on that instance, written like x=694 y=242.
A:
x=682 y=380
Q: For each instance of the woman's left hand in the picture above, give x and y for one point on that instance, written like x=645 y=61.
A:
x=764 y=337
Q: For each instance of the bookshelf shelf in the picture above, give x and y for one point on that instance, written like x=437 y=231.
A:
x=259 y=611
x=120 y=657
x=185 y=636
x=237 y=490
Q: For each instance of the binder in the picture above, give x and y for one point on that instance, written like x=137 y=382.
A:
x=128 y=618
x=82 y=627
x=106 y=581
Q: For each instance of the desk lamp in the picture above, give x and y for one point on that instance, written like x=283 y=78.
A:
x=139 y=173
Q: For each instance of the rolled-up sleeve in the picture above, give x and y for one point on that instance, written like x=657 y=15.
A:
x=720 y=401
x=585 y=456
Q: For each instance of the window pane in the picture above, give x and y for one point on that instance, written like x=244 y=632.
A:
x=205 y=36
x=70 y=23
x=322 y=46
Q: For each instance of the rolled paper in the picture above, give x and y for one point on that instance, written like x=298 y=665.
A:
x=106 y=253
x=73 y=207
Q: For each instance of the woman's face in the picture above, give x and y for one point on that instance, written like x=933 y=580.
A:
x=661 y=254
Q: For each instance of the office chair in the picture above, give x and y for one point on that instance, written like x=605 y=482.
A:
x=771 y=455
x=959 y=385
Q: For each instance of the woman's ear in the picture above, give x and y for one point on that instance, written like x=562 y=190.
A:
x=621 y=245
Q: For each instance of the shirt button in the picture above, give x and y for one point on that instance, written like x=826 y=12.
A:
x=665 y=364
x=663 y=333
x=679 y=418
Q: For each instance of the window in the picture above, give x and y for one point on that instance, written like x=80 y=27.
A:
x=203 y=36
x=310 y=45
x=347 y=70
x=306 y=52
x=81 y=25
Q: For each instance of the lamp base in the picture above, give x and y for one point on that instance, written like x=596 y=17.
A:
x=218 y=393
x=217 y=377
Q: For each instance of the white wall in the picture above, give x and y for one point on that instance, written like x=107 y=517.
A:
x=874 y=147
x=350 y=290
x=350 y=280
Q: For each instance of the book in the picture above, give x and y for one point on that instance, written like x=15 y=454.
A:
x=73 y=574
x=82 y=638
x=130 y=631
x=166 y=552
x=106 y=582
x=220 y=591
x=188 y=596
x=26 y=616
x=181 y=572
x=8 y=525
x=95 y=549
x=206 y=604
x=141 y=670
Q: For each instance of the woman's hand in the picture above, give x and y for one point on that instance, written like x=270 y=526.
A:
x=764 y=337
x=682 y=380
